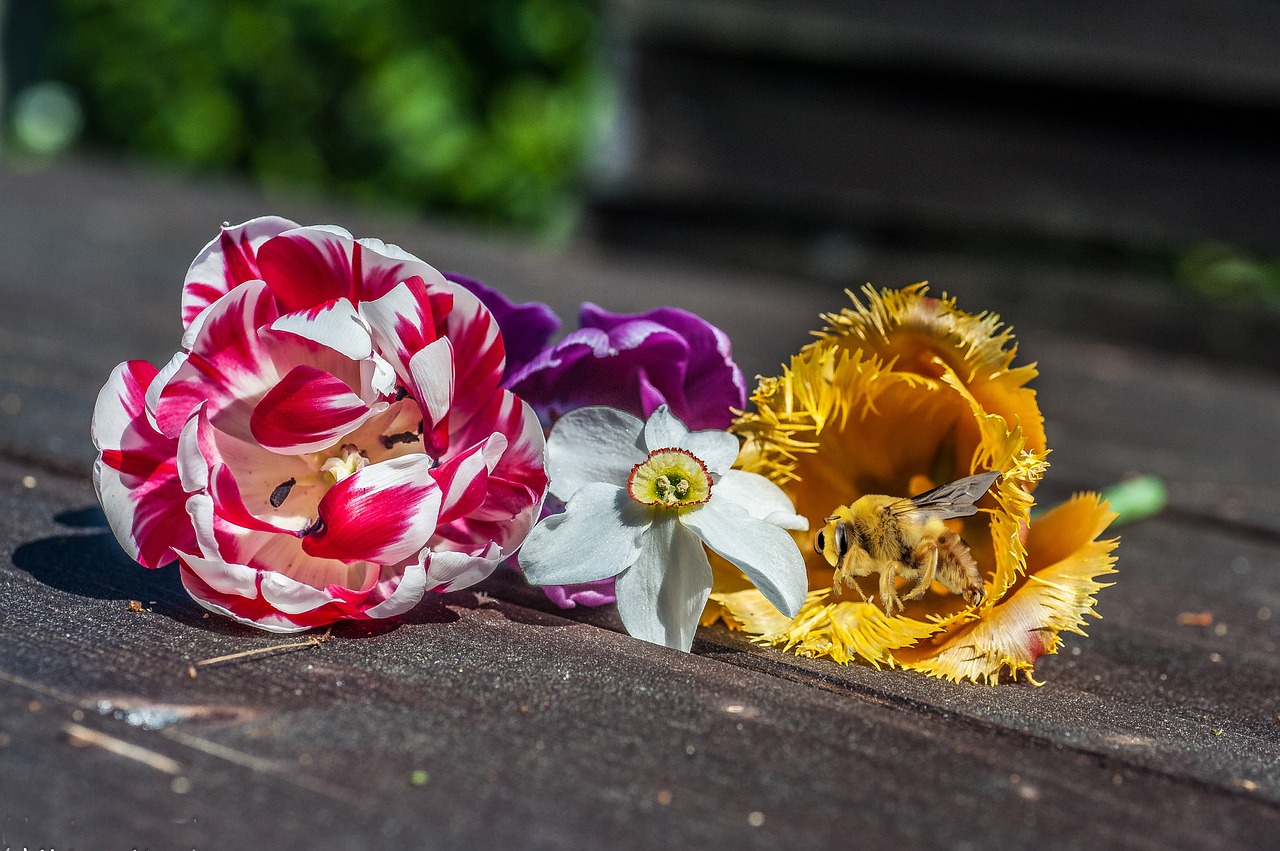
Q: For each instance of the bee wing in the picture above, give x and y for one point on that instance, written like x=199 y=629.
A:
x=954 y=499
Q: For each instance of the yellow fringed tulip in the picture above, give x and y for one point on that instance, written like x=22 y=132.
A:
x=897 y=395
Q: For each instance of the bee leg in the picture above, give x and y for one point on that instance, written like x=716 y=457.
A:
x=846 y=577
x=926 y=556
x=888 y=593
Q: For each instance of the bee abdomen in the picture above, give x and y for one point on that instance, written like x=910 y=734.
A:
x=957 y=569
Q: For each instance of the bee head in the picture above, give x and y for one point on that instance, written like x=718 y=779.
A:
x=832 y=542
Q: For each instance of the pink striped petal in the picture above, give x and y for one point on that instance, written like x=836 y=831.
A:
x=310 y=266
x=234 y=591
x=307 y=411
x=226 y=262
x=403 y=321
x=384 y=513
x=136 y=475
x=478 y=352
x=432 y=386
x=464 y=478
x=519 y=479
x=229 y=361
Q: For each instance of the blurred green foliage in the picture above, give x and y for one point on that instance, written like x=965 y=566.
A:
x=1227 y=274
x=479 y=107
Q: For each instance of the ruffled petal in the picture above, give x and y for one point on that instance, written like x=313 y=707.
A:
x=1066 y=559
x=593 y=445
x=661 y=596
x=599 y=535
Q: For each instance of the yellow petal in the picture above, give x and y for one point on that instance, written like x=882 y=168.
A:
x=825 y=626
x=1065 y=561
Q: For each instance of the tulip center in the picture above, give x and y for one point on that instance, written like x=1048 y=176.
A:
x=349 y=459
x=670 y=478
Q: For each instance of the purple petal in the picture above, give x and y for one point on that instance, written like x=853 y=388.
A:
x=584 y=594
x=712 y=382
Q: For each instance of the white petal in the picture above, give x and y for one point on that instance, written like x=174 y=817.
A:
x=395 y=252
x=761 y=498
x=432 y=371
x=593 y=445
x=717 y=449
x=336 y=325
x=449 y=571
x=664 y=430
x=661 y=596
x=599 y=535
x=291 y=597
x=408 y=593
x=765 y=553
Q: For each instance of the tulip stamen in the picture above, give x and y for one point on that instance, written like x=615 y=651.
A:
x=281 y=493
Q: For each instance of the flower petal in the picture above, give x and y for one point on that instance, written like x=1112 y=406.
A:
x=593 y=445
x=384 y=513
x=464 y=478
x=526 y=328
x=226 y=262
x=335 y=324
x=432 y=371
x=409 y=589
x=136 y=476
x=767 y=554
x=479 y=354
x=599 y=535
x=312 y=265
x=307 y=411
x=761 y=499
x=661 y=596
x=1052 y=599
x=228 y=363
x=450 y=571
x=600 y=593
x=712 y=383
x=716 y=449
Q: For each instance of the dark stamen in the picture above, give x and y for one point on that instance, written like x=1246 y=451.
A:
x=401 y=392
x=281 y=493
x=390 y=440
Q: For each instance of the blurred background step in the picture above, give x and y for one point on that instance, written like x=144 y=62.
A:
x=791 y=134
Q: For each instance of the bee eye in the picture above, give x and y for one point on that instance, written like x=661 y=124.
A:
x=842 y=540
x=820 y=543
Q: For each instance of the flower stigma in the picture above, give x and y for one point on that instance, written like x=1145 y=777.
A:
x=670 y=478
x=349 y=459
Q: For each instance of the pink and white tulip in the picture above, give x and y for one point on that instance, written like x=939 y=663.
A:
x=331 y=442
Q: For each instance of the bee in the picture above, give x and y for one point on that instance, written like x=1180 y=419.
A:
x=906 y=538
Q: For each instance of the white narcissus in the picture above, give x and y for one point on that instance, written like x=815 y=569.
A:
x=332 y=440
x=642 y=498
